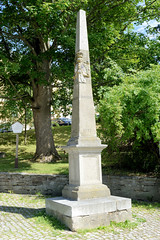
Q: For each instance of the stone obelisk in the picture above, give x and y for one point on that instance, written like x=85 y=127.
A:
x=85 y=202
x=84 y=147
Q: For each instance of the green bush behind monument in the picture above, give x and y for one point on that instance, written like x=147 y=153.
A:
x=129 y=119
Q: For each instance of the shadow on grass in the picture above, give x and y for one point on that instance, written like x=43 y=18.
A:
x=26 y=212
x=7 y=164
x=39 y=215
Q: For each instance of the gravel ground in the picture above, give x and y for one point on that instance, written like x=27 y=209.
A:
x=22 y=217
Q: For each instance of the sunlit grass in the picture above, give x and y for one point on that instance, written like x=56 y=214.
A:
x=26 y=153
x=146 y=205
x=115 y=227
x=48 y=221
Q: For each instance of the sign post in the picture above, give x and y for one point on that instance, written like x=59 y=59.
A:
x=17 y=128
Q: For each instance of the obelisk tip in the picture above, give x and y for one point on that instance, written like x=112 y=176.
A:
x=81 y=32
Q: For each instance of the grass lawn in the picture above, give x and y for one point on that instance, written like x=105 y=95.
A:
x=26 y=152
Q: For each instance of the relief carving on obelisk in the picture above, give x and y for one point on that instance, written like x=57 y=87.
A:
x=82 y=68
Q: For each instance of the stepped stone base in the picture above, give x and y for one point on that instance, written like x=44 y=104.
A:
x=85 y=192
x=92 y=213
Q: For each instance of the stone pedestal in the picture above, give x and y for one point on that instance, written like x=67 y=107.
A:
x=92 y=213
x=85 y=176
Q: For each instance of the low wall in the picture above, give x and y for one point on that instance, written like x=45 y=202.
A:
x=32 y=183
x=140 y=188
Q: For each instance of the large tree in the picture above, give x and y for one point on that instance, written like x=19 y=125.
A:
x=37 y=49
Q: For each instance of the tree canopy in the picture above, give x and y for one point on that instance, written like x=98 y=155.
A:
x=37 y=40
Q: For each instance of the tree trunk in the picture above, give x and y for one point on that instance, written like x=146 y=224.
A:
x=45 y=148
x=25 y=125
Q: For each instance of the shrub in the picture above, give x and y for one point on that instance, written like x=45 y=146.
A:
x=129 y=118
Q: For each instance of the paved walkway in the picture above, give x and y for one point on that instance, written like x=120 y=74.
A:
x=20 y=218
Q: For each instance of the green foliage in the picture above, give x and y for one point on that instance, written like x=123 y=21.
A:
x=106 y=73
x=130 y=115
x=37 y=41
x=135 y=51
x=26 y=40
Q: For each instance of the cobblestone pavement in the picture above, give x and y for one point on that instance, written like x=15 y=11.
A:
x=21 y=218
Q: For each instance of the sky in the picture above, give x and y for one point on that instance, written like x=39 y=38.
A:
x=141 y=28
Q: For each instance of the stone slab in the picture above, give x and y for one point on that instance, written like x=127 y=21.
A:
x=87 y=214
x=85 y=192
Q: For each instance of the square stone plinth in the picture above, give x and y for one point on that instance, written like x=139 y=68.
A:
x=92 y=213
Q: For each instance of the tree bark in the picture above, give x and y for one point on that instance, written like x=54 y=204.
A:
x=45 y=148
x=25 y=125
